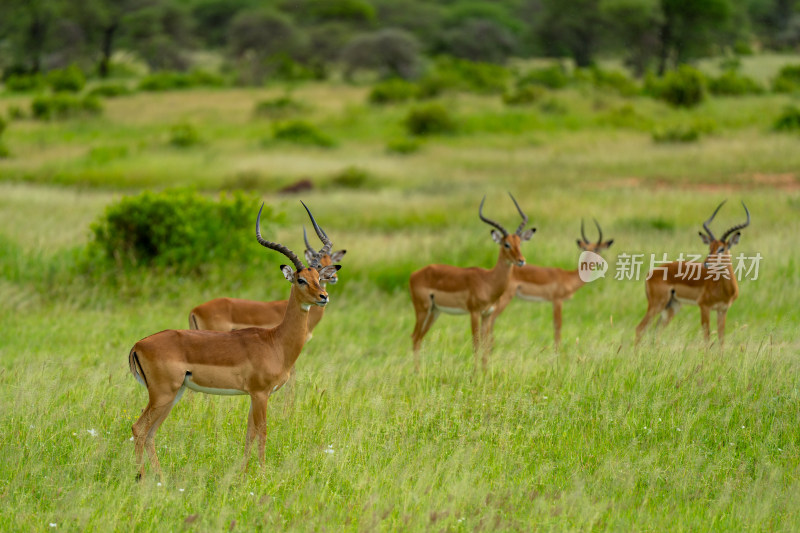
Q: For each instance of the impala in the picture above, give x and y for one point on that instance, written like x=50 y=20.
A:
x=710 y=285
x=252 y=361
x=548 y=284
x=439 y=289
x=228 y=314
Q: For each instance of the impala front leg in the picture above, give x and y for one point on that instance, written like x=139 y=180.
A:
x=721 y=314
x=557 y=322
x=705 y=318
x=475 y=319
x=259 y=405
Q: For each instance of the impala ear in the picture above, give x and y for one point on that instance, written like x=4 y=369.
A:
x=526 y=235
x=608 y=243
x=497 y=236
x=288 y=273
x=705 y=238
x=735 y=239
x=337 y=256
x=580 y=244
x=309 y=255
x=328 y=272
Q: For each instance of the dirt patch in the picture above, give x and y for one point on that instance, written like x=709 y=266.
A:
x=781 y=182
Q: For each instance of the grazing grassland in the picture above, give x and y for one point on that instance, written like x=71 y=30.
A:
x=673 y=436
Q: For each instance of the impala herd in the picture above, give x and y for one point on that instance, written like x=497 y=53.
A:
x=244 y=347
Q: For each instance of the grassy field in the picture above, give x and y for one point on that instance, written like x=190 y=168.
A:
x=673 y=436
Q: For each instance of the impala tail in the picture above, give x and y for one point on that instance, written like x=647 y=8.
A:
x=136 y=367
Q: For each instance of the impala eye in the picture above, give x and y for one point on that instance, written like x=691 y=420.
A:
x=301 y=281
x=721 y=249
x=507 y=245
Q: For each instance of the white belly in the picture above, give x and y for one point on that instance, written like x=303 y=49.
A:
x=452 y=310
x=529 y=298
x=687 y=301
x=208 y=390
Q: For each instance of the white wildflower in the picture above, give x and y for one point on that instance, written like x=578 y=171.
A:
x=92 y=432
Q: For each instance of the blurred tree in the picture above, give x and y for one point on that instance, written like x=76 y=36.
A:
x=161 y=32
x=633 y=30
x=479 y=40
x=689 y=28
x=571 y=28
x=422 y=19
x=212 y=18
x=390 y=51
x=260 y=39
x=103 y=21
x=27 y=25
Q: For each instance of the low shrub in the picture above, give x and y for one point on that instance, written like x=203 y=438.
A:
x=450 y=73
x=167 y=80
x=106 y=154
x=432 y=119
x=64 y=105
x=391 y=91
x=731 y=83
x=70 y=79
x=19 y=83
x=614 y=80
x=684 y=133
x=178 y=229
x=352 y=178
x=525 y=95
x=302 y=132
x=184 y=135
x=110 y=90
x=789 y=119
x=625 y=116
x=684 y=87
x=280 y=107
x=787 y=80
x=4 y=151
x=15 y=112
x=553 y=106
x=403 y=146
x=552 y=77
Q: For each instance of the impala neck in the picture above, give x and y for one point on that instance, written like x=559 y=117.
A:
x=500 y=276
x=573 y=281
x=291 y=333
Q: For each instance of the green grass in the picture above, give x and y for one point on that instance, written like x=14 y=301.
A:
x=674 y=436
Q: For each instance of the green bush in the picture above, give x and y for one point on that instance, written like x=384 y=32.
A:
x=684 y=87
x=4 y=151
x=685 y=133
x=731 y=83
x=178 y=229
x=391 y=91
x=403 y=146
x=184 y=135
x=787 y=80
x=167 y=80
x=552 y=77
x=789 y=120
x=302 y=132
x=110 y=90
x=352 y=178
x=70 y=79
x=615 y=81
x=63 y=105
x=280 y=107
x=19 y=83
x=625 y=116
x=106 y=154
x=15 y=112
x=527 y=94
x=432 y=119
x=450 y=73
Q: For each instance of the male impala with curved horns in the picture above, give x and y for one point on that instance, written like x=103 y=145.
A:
x=711 y=285
x=252 y=361
x=548 y=284
x=228 y=314
x=447 y=289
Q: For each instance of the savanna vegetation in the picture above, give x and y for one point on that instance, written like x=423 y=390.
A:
x=129 y=185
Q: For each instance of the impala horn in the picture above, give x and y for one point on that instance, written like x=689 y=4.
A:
x=326 y=249
x=583 y=234
x=489 y=221
x=523 y=215
x=707 y=222
x=298 y=265
x=739 y=226
x=600 y=231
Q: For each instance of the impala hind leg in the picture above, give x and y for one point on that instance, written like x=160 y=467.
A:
x=656 y=303
x=426 y=315
x=705 y=321
x=144 y=429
